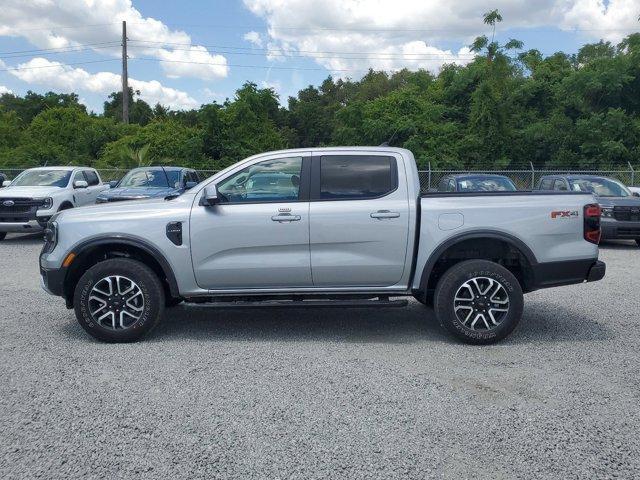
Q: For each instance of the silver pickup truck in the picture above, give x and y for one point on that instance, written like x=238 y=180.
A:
x=315 y=227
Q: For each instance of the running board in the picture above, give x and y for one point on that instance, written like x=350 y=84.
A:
x=330 y=303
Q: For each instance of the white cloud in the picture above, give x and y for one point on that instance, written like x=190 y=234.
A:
x=254 y=37
x=4 y=90
x=386 y=34
x=205 y=66
x=60 y=78
x=45 y=23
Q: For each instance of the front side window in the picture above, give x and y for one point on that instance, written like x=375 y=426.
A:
x=346 y=177
x=275 y=180
x=43 y=178
x=92 y=178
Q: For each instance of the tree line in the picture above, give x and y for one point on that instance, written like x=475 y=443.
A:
x=506 y=108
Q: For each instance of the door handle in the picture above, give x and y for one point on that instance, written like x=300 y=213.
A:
x=286 y=217
x=382 y=214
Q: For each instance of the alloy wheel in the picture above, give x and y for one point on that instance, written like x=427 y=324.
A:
x=481 y=303
x=116 y=302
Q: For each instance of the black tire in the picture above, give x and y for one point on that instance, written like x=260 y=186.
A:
x=3 y=235
x=151 y=290
x=65 y=206
x=638 y=241
x=454 y=279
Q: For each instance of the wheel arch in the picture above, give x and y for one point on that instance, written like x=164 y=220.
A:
x=482 y=245
x=92 y=251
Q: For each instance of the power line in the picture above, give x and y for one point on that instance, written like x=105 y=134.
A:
x=42 y=51
x=275 y=51
x=59 y=65
x=267 y=67
x=373 y=29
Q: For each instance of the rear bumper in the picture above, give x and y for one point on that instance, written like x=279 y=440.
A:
x=555 y=274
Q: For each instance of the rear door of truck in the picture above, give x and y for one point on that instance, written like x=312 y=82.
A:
x=359 y=218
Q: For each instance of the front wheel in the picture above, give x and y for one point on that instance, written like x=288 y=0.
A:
x=119 y=300
x=638 y=241
x=478 y=301
x=3 y=235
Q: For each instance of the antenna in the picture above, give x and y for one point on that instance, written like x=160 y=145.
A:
x=386 y=144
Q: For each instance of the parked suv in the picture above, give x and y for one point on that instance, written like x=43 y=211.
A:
x=476 y=182
x=315 y=227
x=29 y=201
x=620 y=206
x=150 y=182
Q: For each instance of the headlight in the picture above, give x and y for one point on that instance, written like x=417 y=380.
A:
x=607 y=212
x=46 y=203
x=50 y=237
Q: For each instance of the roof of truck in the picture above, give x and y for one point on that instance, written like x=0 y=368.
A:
x=56 y=168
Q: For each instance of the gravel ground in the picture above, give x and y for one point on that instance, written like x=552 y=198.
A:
x=359 y=393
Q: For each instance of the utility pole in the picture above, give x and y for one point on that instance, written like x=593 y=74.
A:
x=125 y=79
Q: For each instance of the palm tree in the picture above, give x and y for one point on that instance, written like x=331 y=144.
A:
x=136 y=158
x=491 y=18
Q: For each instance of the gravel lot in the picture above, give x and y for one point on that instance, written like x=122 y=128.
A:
x=359 y=393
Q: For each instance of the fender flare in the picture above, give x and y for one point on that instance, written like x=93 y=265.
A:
x=132 y=241
x=477 y=234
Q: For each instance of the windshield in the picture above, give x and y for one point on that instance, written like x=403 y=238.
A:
x=486 y=184
x=602 y=187
x=155 y=178
x=42 y=178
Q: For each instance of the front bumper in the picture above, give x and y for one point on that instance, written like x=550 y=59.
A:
x=28 y=226
x=52 y=281
x=617 y=229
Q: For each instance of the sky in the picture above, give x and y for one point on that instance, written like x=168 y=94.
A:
x=186 y=53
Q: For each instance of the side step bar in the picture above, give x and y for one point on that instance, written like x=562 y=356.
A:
x=330 y=303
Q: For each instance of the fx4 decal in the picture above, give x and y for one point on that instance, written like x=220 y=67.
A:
x=565 y=214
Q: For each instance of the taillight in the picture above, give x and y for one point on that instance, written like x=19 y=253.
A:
x=592 y=223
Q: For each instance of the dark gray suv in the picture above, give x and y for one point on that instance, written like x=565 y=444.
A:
x=620 y=206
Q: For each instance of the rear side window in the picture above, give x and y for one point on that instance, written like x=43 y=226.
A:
x=346 y=177
x=560 y=184
x=92 y=177
x=546 y=184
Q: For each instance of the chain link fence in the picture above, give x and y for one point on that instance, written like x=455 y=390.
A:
x=525 y=179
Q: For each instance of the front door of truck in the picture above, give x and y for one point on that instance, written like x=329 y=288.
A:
x=359 y=220
x=257 y=236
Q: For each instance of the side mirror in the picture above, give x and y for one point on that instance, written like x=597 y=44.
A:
x=189 y=185
x=113 y=183
x=636 y=194
x=6 y=183
x=210 y=196
x=80 y=184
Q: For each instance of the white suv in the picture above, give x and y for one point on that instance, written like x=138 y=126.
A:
x=36 y=194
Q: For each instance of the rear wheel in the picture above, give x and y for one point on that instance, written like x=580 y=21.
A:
x=119 y=300
x=3 y=235
x=478 y=301
x=638 y=241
